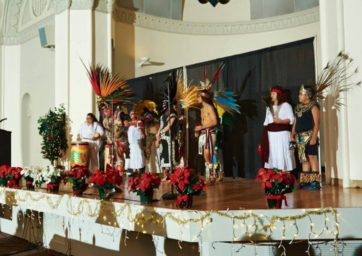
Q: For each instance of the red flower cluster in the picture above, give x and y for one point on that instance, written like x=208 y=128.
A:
x=276 y=181
x=143 y=182
x=77 y=172
x=187 y=182
x=10 y=176
x=107 y=179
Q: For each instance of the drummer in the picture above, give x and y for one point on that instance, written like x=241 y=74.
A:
x=92 y=132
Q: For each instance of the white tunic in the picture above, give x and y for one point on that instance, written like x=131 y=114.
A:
x=136 y=155
x=280 y=157
x=86 y=133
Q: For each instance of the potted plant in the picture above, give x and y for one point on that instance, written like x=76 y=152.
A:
x=106 y=180
x=276 y=184
x=77 y=176
x=144 y=184
x=52 y=127
x=52 y=177
x=187 y=185
x=10 y=176
x=31 y=175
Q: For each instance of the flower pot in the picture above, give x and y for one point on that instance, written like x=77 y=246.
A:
x=29 y=183
x=185 y=201
x=147 y=196
x=52 y=187
x=102 y=193
x=79 y=188
x=275 y=201
x=3 y=182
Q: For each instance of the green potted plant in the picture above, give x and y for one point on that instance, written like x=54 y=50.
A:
x=52 y=127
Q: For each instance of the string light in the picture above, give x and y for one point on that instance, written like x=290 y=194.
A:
x=248 y=223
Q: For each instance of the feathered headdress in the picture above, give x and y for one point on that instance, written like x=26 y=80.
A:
x=335 y=79
x=224 y=101
x=145 y=106
x=108 y=87
x=179 y=95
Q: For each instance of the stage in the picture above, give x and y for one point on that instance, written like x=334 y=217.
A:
x=231 y=213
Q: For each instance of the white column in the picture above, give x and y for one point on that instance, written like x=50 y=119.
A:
x=61 y=36
x=103 y=35
x=81 y=40
x=352 y=10
x=10 y=80
x=340 y=30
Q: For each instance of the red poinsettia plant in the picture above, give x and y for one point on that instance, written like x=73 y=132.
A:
x=187 y=184
x=105 y=180
x=276 y=182
x=77 y=176
x=10 y=176
x=143 y=182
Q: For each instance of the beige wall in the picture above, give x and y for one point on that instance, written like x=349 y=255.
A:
x=175 y=50
x=36 y=80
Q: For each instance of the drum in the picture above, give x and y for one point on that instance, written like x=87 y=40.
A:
x=79 y=154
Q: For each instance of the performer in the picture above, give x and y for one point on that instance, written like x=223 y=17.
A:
x=166 y=140
x=121 y=140
x=92 y=132
x=305 y=131
x=151 y=129
x=278 y=124
x=135 y=136
x=206 y=132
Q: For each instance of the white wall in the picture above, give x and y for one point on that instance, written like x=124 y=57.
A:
x=36 y=79
x=353 y=45
x=177 y=50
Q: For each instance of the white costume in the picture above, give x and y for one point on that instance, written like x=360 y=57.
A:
x=86 y=133
x=137 y=158
x=280 y=156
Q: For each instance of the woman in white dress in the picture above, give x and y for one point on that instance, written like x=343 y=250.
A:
x=135 y=136
x=278 y=122
x=92 y=132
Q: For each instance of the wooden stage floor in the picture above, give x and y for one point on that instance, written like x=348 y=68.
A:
x=241 y=194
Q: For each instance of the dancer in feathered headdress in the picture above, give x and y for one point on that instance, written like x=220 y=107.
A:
x=334 y=79
x=147 y=110
x=108 y=87
x=177 y=98
x=213 y=104
x=110 y=90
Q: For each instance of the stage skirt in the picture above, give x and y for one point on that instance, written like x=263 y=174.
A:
x=280 y=156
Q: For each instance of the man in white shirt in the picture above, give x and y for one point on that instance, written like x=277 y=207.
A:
x=92 y=132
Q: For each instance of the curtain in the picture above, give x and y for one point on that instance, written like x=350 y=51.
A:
x=250 y=75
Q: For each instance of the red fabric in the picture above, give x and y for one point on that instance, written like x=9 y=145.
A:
x=29 y=183
x=209 y=144
x=279 y=199
x=263 y=147
x=277 y=91
x=52 y=186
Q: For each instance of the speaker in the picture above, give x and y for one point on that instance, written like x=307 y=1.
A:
x=46 y=37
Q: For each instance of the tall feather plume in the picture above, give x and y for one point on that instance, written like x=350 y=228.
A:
x=186 y=96
x=224 y=101
x=336 y=78
x=108 y=87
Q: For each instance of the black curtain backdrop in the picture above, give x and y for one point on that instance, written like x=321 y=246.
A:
x=251 y=75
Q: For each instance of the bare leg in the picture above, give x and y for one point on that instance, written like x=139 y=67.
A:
x=313 y=160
